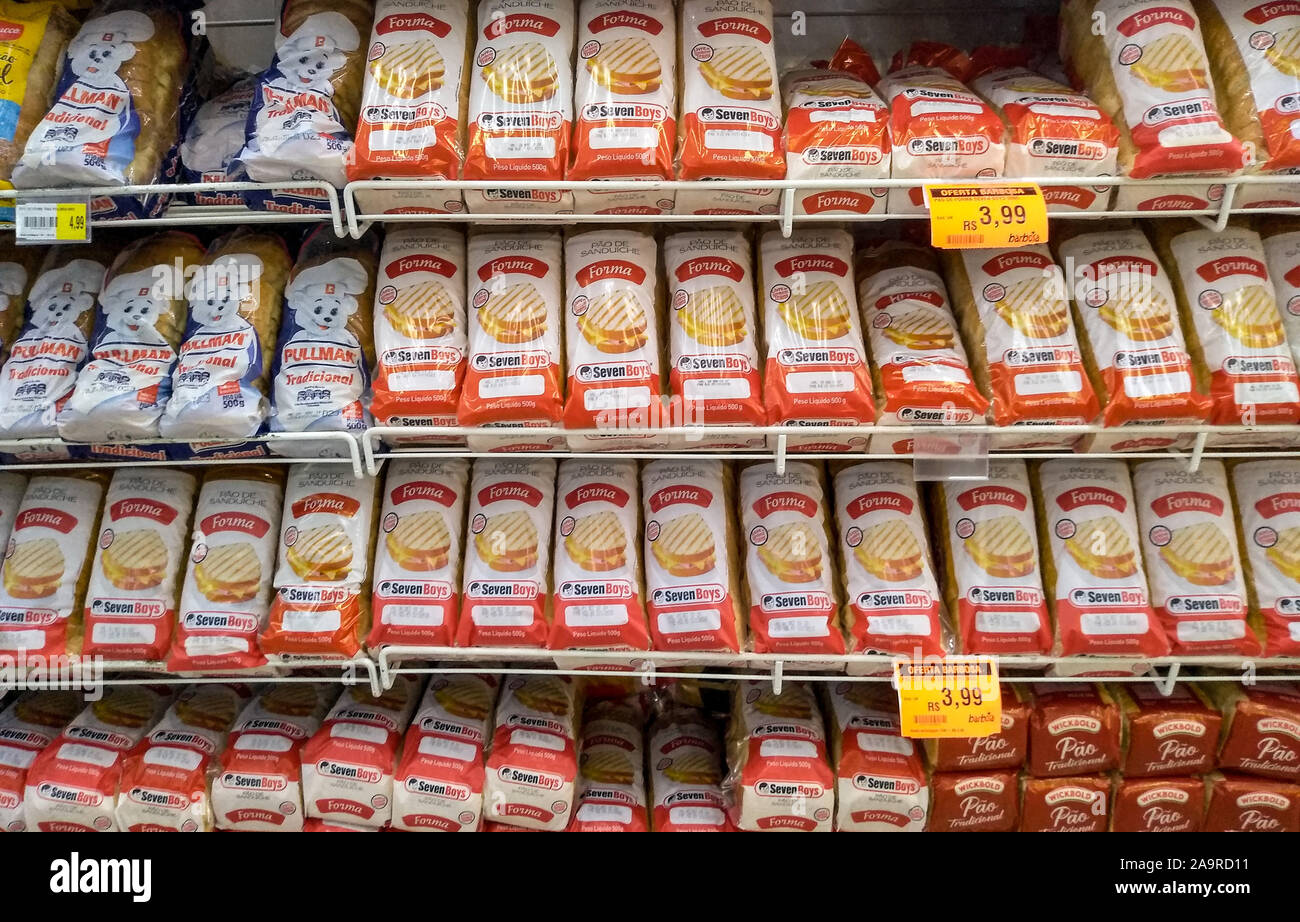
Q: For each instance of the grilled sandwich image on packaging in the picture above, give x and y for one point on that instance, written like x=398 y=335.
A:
x=1264 y=493
x=739 y=72
x=1174 y=64
x=410 y=69
x=628 y=66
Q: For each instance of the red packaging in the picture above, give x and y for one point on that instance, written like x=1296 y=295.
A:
x=1076 y=804
x=1239 y=803
x=974 y=802
x=1174 y=734
x=1263 y=729
x=1073 y=730
x=1008 y=748
x=1158 y=805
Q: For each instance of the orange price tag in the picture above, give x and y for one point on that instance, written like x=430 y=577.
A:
x=981 y=215
x=954 y=697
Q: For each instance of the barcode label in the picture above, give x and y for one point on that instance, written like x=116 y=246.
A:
x=930 y=718
x=46 y=222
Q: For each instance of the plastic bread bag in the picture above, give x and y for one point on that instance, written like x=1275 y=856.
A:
x=226 y=592
x=598 y=579
x=516 y=356
x=134 y=590
x=258 y=785
x=47 y=567
x=836 y=127
x=992 y=581
x=213 y=139
x=1079 y=803
x=420 y=326
x=520 y=103
x=349 y=763
x=30 y=722
x=1260 y=727
x=1092 y=563
x=1189 y=541
x=326 y=348
x=417 y=578
x=1281 y=237
x=19 y=266
x=1073 y=730
x=1174 y=734
x=1157 y=805
x=1266 y=495
x=1239 y=803
x=165 y=783
x=221 y=379
x=327 y=529
x=533 y=766
x=1053 y=131
x=610 y=794
x=892 y=602
x=73 y=785
x=123 y=389
x=1007 y=748
x=779 y=772
x=12 y=488
x=685 y=757
x=305 y=104
x=414 y=101
x=1147 y=69
x=789 y=560
x=506 y=598
x=976 y=801
x=694 y=594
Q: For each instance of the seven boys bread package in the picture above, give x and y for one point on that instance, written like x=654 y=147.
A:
x=611 y=789
x=881 y=785
x=32 y=721
x=1266 y=495
x=534 y=761
x=686 y=772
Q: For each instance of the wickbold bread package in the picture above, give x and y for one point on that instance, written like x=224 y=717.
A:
x=1073 y=730
x=132 y=599
x=694 y=596
x=1157 y=805
x=1007 y=748
x=1092 y=563
x=28 y=724
x=880 y=779
x=611 y=788
x=440 y=778
x=34 y=50
x=992 y=581
x=534 y=761
x=1174 y=734
x=1240 y=803
x=1148 y=71
x=789 y=560
x=1189 y=542
x=19 y=266
x=226 y=594
x=220 y=384
x=165 y=782
x=1079 y=803
x=983 y=801
x=1261 y=726
x=348 y=764
x=515 y=371
x=47 y=564
x=1266 y=495
x=506 y=599
x=419 y=326
x=258 y=787
x=213 y=140
x=73 y=784
x=418 y=554
x=685 y=757
x=598 y=579
x=123 y=389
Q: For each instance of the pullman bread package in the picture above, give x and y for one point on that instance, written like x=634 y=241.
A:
x=1008 y=748
x=47 y=564
x=1053 y=131
x=1240 y=803
x=19 y=266
x=816 y=363
x=611 y=788
x=1073 y=730
x=418 y=554
x=326 y=346
x=694 y=596
x=1016 y=320
x=612 y=335
x=880 y=779
x=165 y=782
x=1147 y=70
x=439 y=782
x=123 y=389
x=221 y=381
x=1092 y=562
x=598 y=578
x=1189 y=542
x=1266 y=496
x=515 y=371
x=53 y=341
x=28 y=724
x=836 y=127
x=520 y=101
x=1131 y=334
x=982 y=801
x=213 y=140
x=34 y=51
x=919 y=365
x=779 y=775
x=892 y=601
x=1076 y=804
x=1231 y=319
x=132 y=599
x=73 y=784
x=940 y=130
x=419 y=326
x=1157 y=805
x=685 y=757
x=349 y=763
x=258 y=785
x=1174 y=734
x=534 y=761
x=322 y=600
x=226 y=595
x=992 y=581
x=713 y=338
x=789 y=560
x=1261 y=728
x=506 y=599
